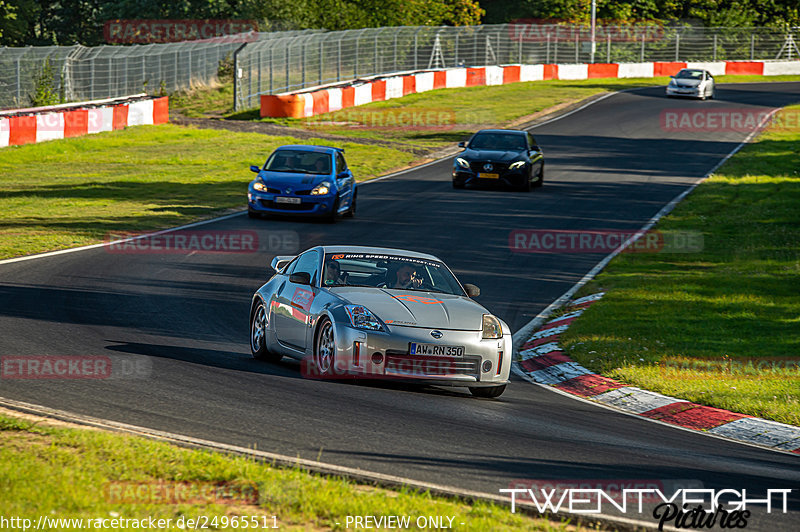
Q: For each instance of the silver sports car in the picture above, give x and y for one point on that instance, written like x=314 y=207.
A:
x=348 y=311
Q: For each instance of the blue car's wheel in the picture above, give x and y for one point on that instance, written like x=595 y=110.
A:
x=331 y=218
x=351 y=212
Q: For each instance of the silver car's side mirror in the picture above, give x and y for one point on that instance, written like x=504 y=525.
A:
x=280 y=262
x=472 y=290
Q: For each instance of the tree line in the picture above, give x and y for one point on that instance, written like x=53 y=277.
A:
x=67 y=22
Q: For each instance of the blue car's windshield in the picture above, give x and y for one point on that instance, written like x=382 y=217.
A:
x=389 y=271
x=299 y=162
x=498 y=141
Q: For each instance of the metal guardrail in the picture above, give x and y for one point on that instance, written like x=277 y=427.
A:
x=269 y=63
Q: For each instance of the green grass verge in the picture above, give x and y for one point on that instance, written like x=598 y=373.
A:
x=77 y=473
x=75 y=191
x=696 y=325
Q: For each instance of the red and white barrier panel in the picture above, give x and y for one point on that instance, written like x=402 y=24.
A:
x=25 y=126
x=333 y=98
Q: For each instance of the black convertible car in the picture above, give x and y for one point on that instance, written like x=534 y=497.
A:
x=499 y=156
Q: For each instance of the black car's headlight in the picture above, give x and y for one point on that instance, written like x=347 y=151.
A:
x=491 y=327
x=261 y=187
x=321 y=189
x=362 y=318
x=463 y=163
x=516 y=165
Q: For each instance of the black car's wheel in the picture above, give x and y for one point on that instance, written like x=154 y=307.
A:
x=525 y=186
x=325 y=348
x=351 y=212
x=489 y=392
x=539 y=177
x=456 y=184
x=258 y=333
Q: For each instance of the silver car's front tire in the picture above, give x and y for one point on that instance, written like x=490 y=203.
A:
x=258 y=334
x=325 y=348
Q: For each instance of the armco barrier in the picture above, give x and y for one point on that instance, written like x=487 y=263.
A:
x=330 y=98
x=25 y=126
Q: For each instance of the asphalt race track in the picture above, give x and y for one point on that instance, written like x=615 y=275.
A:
x=609 y=166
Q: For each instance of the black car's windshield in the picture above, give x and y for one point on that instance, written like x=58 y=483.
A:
x=388 y=271
x=689 y=74
x=498 y=141
x=300 y=162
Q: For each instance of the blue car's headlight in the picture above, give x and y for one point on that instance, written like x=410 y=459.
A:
x=462 y=162
x=321 y=189
x=261 y=187
x=362 y=318
x=518 y=164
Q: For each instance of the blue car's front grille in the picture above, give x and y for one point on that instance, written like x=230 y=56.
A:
x=269 y=204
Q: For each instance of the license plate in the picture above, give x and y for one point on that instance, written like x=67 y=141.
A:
x=488 y=176
x=435 y=350
x=284 y=199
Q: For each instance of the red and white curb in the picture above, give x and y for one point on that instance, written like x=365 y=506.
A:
x=542 y=360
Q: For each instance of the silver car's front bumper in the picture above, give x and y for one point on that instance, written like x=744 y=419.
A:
x=385 y=355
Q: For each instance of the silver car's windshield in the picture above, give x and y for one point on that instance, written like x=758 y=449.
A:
x=388 y=271
x=300 y=162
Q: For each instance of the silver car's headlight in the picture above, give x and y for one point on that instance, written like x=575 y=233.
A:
x=463 y=163
x=491 y=327
x=321 y=189
x=261 y=187
x=362 y=318
x=518 y=164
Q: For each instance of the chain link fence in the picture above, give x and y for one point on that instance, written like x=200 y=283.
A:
x=82 y=73
x=268 y=63
x=294 y=63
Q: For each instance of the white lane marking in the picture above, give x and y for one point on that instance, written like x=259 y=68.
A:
x=381 y=479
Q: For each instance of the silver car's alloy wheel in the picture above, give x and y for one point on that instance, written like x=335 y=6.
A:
x=257 y=328
x=325 y=349
x=258 y=334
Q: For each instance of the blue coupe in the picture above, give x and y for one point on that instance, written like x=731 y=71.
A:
x=305 y=181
